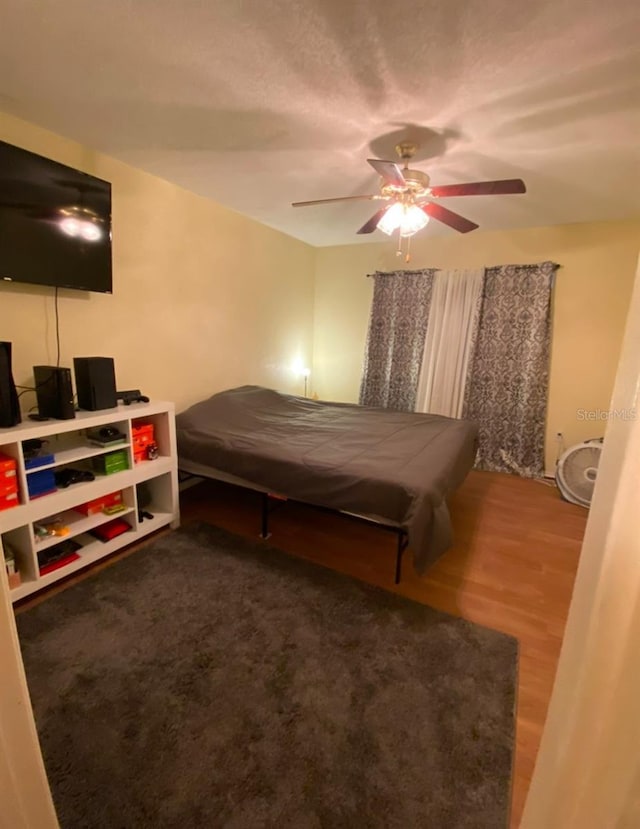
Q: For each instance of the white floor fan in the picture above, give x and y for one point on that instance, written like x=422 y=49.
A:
x=577 y=471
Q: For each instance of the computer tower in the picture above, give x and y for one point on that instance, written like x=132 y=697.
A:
x=95 y=383
x=9 y=406
x=54 y=392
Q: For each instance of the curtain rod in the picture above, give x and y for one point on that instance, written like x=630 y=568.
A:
x=486 y=267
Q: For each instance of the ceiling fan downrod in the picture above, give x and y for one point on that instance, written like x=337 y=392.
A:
x=406 y=150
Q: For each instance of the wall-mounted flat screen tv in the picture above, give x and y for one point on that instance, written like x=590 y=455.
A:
x=55 y=223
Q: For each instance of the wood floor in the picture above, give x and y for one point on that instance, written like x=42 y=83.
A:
x=512 y=568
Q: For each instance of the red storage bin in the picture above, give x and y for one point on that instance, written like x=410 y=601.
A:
x=98 y=504
x=142 y=435
x=8 y=482
x=8 y=486
x=7 y=466
x=8 y=501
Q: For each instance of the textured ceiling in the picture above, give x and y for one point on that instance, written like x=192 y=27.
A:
x=258 y=103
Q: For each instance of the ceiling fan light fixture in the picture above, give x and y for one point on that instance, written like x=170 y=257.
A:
x=409 y=218
x=391 y=219
x=414 y=219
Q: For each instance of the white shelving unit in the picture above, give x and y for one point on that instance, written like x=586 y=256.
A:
x=149 y=485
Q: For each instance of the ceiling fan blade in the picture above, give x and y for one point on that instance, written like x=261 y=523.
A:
x=389 y=170
x=481 y=188
x=339 y=198
x=370 y=226
x=448 y=217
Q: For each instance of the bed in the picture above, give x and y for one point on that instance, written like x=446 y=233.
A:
x=394 y=468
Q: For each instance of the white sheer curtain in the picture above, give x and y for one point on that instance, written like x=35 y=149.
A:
x=451 y=332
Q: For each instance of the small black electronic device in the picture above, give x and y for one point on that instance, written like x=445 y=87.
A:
x=106 y=436
x=39 y=417
x=132 y=396
x=58 y=552
x=54 y=392
x=109 y=432
x=65 y=477
x=31 y=447
x=9 y=406
x=95 y=383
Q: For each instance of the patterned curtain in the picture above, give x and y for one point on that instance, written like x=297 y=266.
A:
x=509 y=374
x=397 y=330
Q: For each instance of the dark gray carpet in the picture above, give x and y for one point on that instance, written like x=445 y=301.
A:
x=209 y=681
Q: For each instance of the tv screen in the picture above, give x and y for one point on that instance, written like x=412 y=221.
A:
x=55 y=223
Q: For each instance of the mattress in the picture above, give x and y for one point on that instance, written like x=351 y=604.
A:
x=395 y=467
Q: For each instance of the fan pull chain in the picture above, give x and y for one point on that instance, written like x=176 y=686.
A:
x=407 y=257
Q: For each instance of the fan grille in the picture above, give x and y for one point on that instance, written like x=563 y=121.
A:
x=577 y=472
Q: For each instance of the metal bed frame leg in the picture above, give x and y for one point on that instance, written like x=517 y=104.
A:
x=264 y=533
x=402 y=546
x=403 y=539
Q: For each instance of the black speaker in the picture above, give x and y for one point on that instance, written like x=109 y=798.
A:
x=95 y=383
x=9 y=406
x=54 y=392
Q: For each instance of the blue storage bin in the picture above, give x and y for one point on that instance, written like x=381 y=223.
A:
x=39 y=460
x=40 y=483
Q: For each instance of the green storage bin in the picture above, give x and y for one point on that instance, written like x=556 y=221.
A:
x=111 y=462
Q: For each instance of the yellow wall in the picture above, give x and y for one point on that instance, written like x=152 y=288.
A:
x=592 y=293
x=203 y=298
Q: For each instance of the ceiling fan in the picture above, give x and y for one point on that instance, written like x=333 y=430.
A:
x=409 y=195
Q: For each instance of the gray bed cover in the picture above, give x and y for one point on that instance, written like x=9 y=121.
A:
x=397 y=467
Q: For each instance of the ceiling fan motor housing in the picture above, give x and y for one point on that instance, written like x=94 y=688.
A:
x=416 y=179
x=416 y=184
